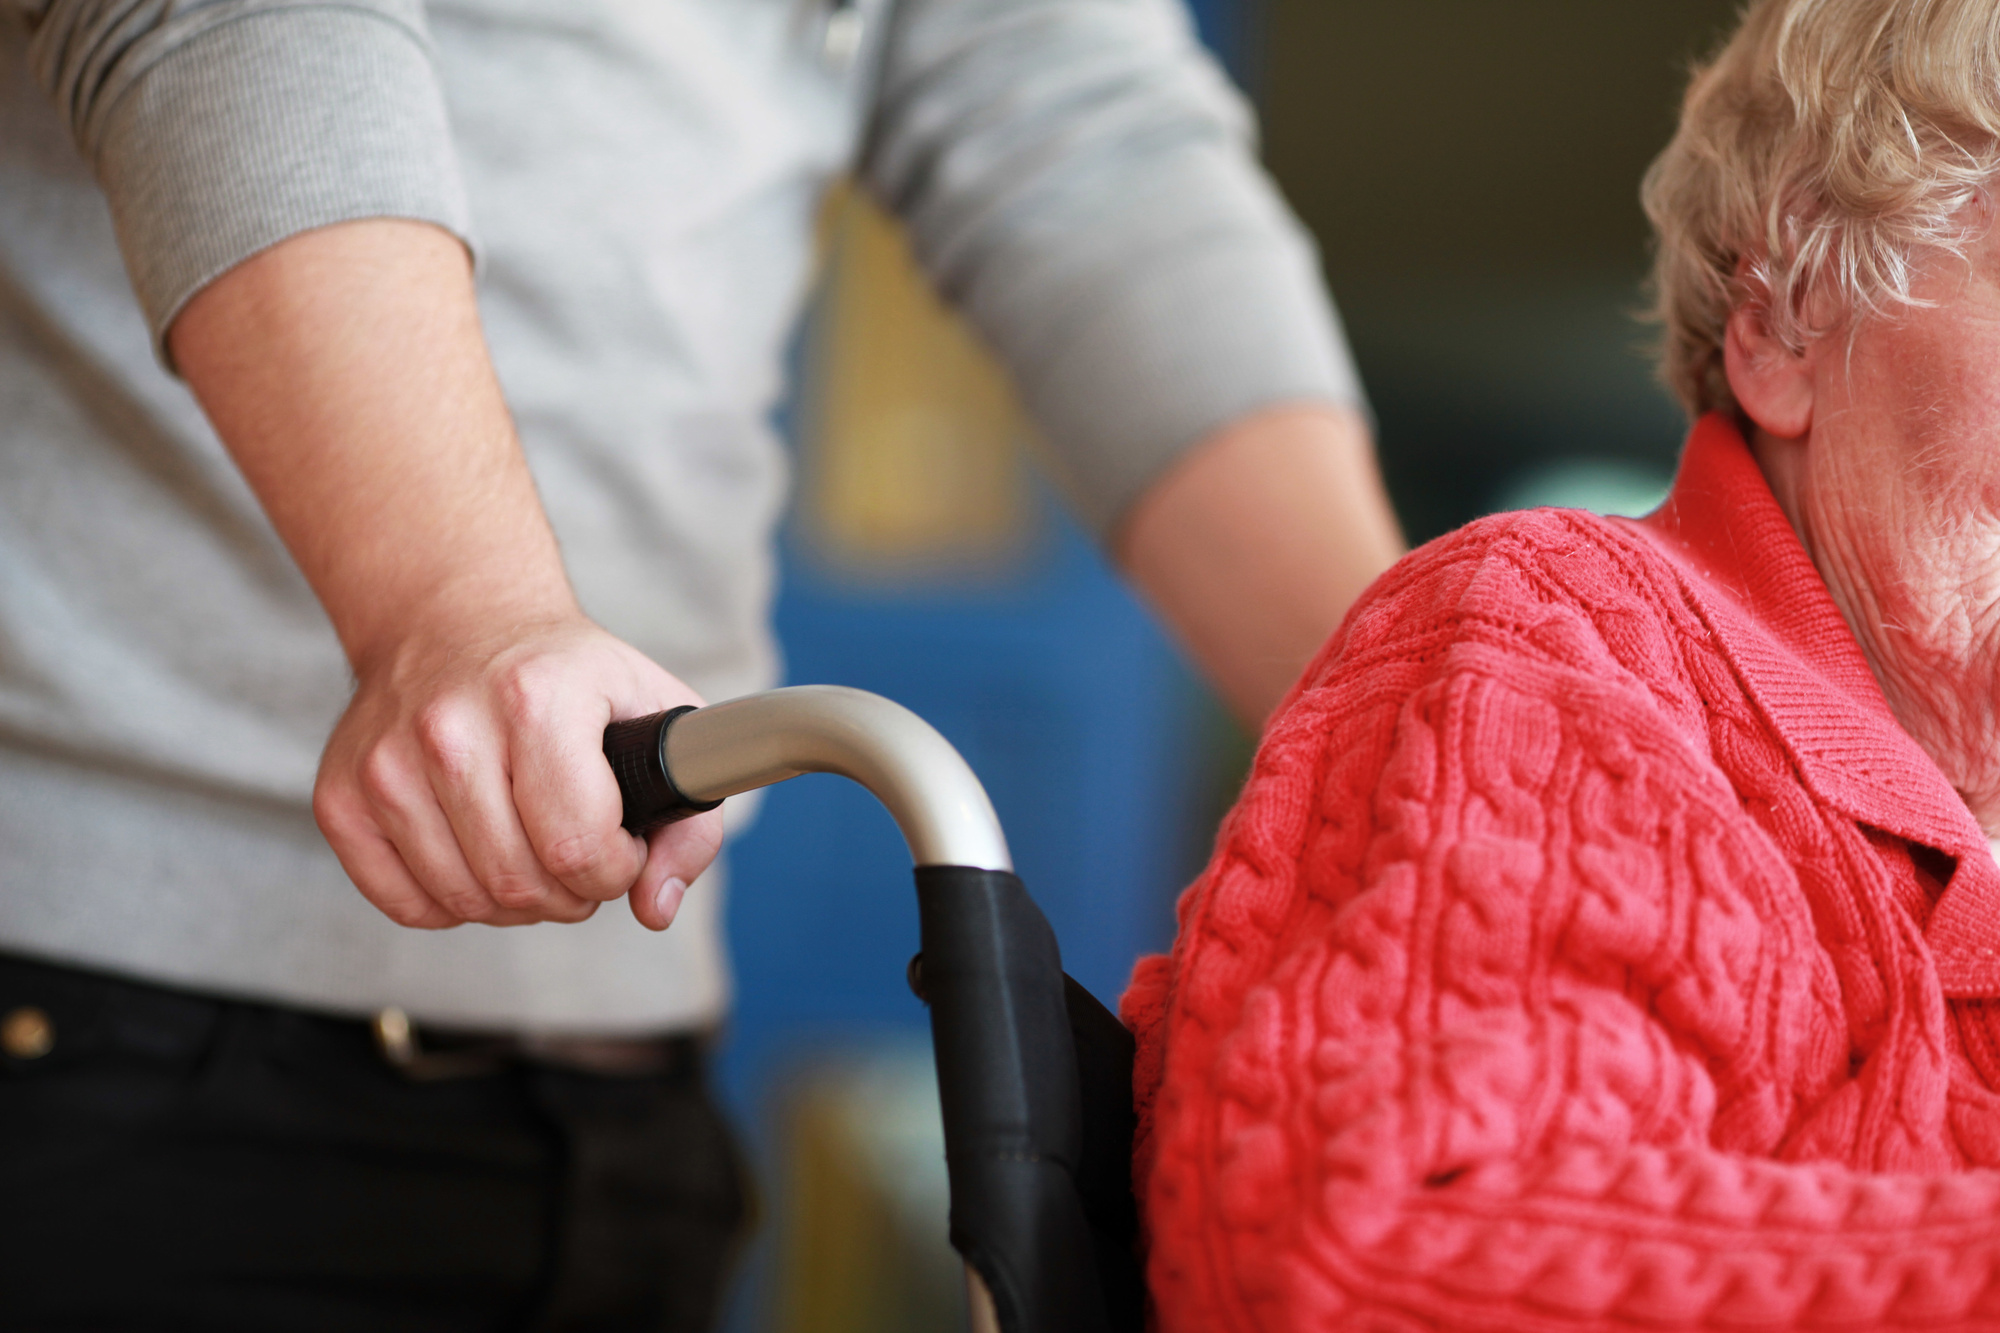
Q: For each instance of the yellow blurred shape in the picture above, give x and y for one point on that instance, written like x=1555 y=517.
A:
x=864 y=1202
x=913 y=441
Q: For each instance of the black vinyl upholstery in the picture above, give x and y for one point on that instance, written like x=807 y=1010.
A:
x=1035 y=1078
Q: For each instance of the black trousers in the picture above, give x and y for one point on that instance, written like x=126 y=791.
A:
x=180 y=1162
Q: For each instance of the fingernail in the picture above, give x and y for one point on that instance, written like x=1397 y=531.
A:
x=668 y=900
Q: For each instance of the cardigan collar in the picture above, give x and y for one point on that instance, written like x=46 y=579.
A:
x=1754 y=583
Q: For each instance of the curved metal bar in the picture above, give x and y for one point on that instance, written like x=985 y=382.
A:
x=760 y=739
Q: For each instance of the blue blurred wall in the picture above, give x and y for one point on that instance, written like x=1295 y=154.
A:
x=1077 y=717
x=1089 y=733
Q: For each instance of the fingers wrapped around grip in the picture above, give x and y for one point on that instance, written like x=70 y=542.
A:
x=479 y=792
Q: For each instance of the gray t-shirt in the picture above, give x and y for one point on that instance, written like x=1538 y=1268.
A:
x=638 y=179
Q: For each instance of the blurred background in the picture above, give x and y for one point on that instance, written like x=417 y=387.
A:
x=1470 y=170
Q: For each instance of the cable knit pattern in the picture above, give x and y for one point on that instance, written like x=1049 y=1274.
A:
x=1589 y=949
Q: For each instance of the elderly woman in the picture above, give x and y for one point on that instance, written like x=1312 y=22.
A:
x=1608 y=934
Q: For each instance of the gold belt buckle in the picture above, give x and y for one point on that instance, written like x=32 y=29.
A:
x=396 y=1039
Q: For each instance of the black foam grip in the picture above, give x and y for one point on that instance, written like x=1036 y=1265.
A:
x=1038 y=1147
x=637 y=751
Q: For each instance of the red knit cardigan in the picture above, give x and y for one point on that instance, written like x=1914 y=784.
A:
x=1589 y=949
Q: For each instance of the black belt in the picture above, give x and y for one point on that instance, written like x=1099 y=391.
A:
x=53 y=1012
x=440 y=1053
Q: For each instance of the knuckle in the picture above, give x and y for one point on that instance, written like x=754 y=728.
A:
x=468 y=904
x=516 y=889
x=526 y=692
x=413 y=912
x=382 y=778
x=447 y=735
x=336 y=812
x=579 y=858
x=569 y=910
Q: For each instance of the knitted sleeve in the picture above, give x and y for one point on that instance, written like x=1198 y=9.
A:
x=218 y=128
x=1079 y=178
x=1495 y=1010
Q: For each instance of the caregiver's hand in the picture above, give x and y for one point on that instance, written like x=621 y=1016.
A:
x=467 y=780
x=346 y=372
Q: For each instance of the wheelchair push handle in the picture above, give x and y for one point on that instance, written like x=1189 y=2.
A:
x=1040 y=1171
x=678 y=763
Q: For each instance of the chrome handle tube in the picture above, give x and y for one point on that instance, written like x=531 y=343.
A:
x=759 y=739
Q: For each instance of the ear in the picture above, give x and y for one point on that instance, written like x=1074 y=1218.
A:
x=1772 y=383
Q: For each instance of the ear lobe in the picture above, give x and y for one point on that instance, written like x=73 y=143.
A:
x=1772 y=383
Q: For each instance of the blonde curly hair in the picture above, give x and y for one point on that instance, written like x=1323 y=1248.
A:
x=1825 y=151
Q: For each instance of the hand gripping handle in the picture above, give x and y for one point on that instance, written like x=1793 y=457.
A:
x=676 y=764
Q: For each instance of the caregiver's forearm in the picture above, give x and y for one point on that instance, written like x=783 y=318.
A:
x=346 y=372
x=1255 y=543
